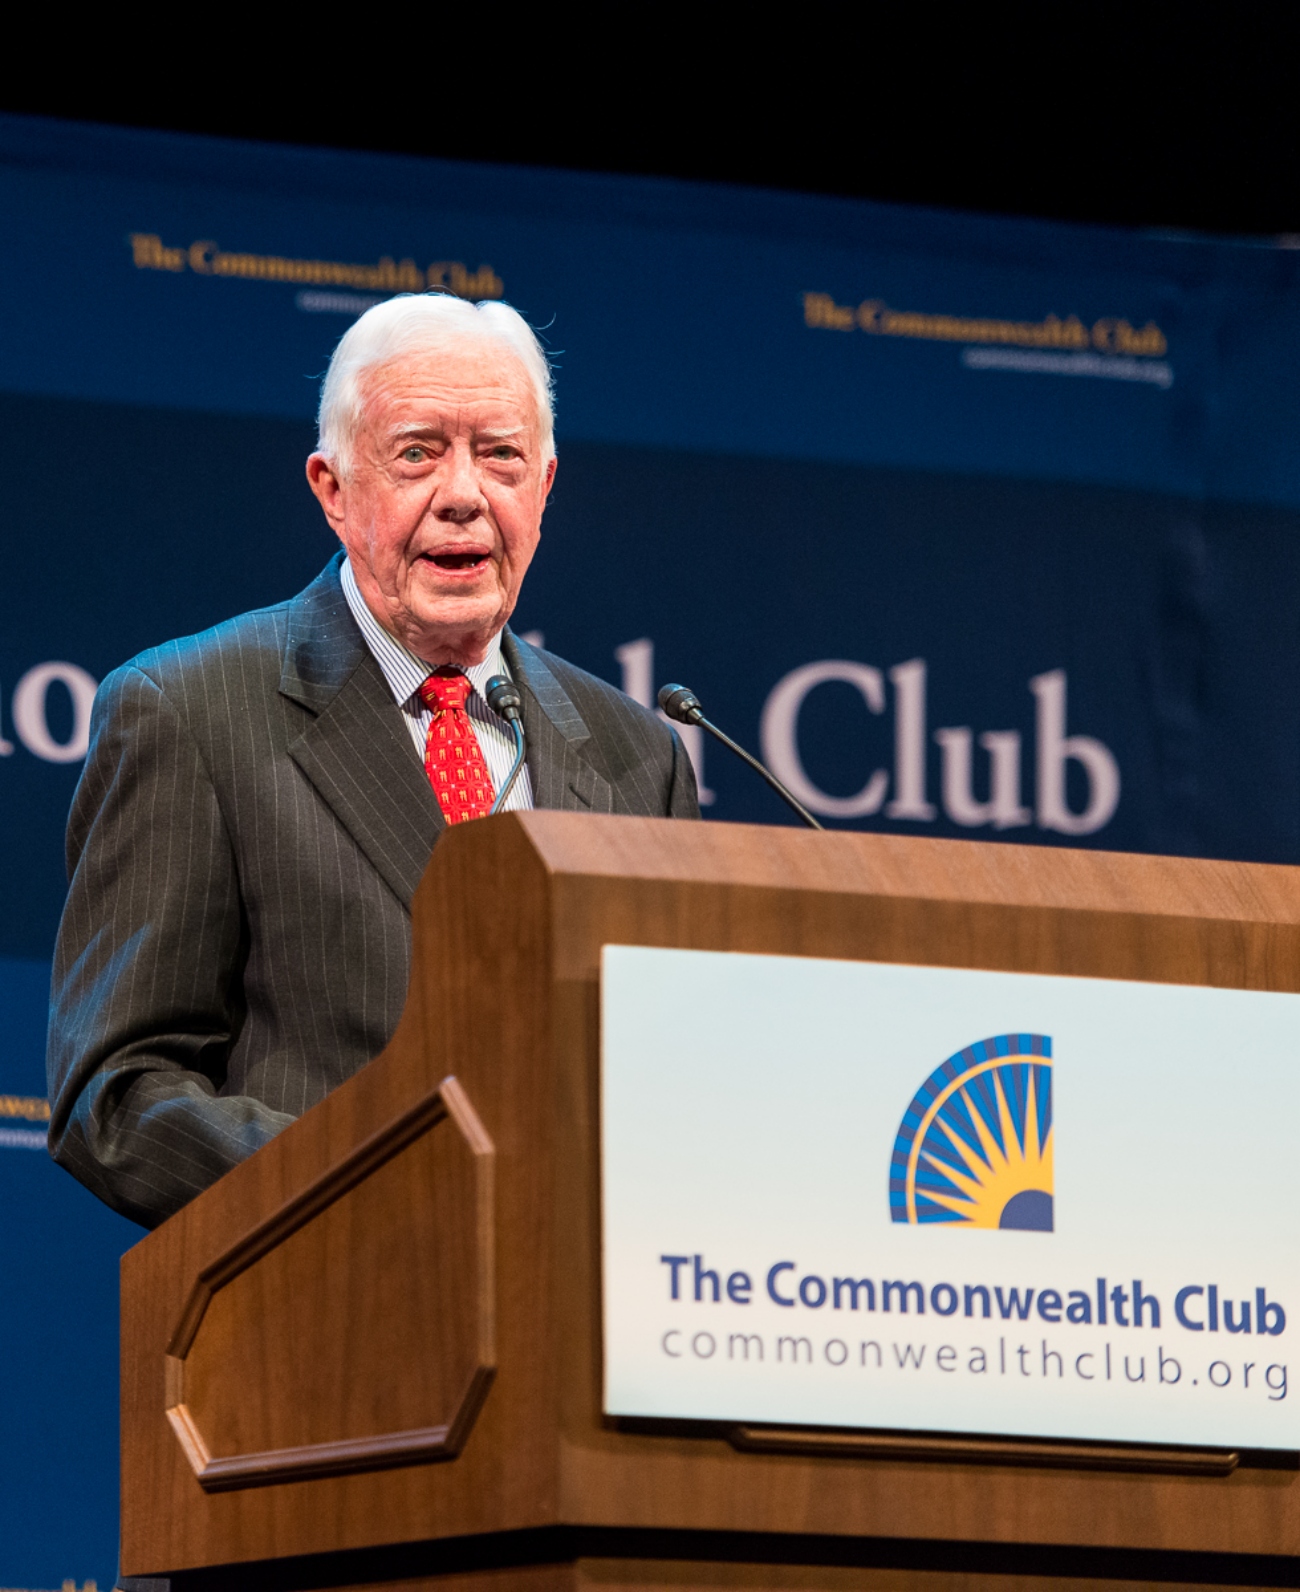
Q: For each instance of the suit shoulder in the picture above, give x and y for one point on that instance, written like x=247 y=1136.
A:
x=246 y=646
x=248 y=641
x=598 y=699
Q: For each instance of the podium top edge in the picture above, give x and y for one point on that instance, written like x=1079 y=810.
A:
x=777 y=857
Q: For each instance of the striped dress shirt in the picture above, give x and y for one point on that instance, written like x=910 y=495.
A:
x=405 y=674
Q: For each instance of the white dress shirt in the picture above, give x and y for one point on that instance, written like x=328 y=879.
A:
x=405 y=674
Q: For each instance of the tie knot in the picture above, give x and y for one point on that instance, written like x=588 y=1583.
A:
x=443 y=692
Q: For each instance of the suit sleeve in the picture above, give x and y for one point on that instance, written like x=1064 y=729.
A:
x=683 y=793
x=146 y=1001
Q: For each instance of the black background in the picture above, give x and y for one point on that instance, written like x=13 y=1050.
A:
x=1168 y=118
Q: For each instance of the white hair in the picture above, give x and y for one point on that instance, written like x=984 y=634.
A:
x=413 y=321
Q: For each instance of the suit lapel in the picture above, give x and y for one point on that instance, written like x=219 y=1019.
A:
x=561 y=752
x=356 y=751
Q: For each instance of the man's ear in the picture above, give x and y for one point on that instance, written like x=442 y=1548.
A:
x=550 y=478
x=325 y=482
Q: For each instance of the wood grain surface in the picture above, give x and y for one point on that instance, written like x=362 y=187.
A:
x=509 y=1004
x=263 y=1388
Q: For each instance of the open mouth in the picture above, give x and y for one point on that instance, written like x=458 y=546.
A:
x=457 y=561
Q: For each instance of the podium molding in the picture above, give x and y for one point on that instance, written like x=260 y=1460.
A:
x=447 y=1103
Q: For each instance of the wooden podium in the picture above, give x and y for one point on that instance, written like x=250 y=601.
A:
x=372 y=1353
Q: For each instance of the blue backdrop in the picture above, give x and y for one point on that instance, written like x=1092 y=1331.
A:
x=978 y=527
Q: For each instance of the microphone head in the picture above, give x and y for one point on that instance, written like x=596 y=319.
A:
x=680 y=703
x=503 y=697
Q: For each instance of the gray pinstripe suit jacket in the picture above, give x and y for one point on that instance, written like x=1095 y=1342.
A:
x=243 y=846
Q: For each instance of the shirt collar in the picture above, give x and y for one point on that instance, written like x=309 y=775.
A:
x=404 y=672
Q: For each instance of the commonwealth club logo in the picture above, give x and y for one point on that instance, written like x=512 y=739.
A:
x=974 y=1148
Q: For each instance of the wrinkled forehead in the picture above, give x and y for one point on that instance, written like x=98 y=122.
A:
x=459 y=382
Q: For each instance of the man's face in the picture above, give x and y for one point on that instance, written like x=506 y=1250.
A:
x=441 y=511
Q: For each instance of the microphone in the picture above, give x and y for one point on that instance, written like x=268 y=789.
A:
x=680 y=703
x=504 y=700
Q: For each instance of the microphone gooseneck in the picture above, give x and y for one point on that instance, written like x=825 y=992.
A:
x=681 y=703
x=504 y=700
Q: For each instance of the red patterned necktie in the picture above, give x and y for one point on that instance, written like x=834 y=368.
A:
x=453 y=759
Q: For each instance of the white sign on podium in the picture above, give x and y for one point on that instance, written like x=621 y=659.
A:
x=865 y=1195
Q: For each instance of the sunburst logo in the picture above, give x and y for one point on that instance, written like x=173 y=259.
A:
x=975 y=1146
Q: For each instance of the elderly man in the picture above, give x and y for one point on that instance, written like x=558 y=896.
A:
x=259 y=802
